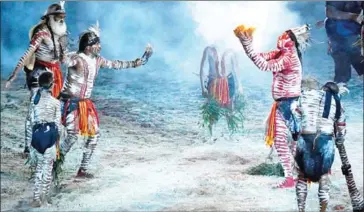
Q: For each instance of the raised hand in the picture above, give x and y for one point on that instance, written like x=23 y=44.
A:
x=149 y=49
x=148 y=52
x=320 y=24
x=244 y=32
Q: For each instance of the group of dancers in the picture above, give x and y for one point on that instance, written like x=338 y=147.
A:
x=314 y=117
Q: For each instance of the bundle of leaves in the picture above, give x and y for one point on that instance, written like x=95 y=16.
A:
x=212 y=112
x=57 y=169
x=56 y=172
x=235 y=117
x=267 y=169
x=32 y=162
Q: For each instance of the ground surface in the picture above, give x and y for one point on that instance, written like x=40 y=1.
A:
x=153 y=155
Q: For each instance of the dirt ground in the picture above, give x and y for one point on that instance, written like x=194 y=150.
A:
x=140 y=166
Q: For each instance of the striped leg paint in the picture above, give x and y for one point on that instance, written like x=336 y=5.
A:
x=90 y=148
x=49 y=157
x=283 y=150
x=356 y=198
x=301 y=192
x=37 y=189
x=72 y=132
x=43 y=175
x=324 y=192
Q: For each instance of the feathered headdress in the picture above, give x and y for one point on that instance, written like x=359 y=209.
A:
x=301 y=36
x=95 y=29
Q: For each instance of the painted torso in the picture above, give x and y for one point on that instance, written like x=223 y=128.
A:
x=80 y=79
x=312 y=104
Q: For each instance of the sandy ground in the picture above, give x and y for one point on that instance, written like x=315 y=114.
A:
x=150 y=165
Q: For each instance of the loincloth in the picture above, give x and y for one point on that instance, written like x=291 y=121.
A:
x=84 y=109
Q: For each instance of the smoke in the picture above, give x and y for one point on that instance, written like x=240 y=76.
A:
x=217 y=20
x=126 y=29
x=178 y=31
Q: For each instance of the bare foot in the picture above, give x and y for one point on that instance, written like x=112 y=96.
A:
x=46 y=203
x=83 y=174
x=287 y=183
x=36 y=204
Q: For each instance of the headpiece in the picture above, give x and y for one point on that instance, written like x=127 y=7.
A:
x=90 y=37
x=53 y=9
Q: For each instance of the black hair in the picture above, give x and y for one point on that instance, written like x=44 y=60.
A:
x=87 y=39
x=297 y=45
x=45 y=80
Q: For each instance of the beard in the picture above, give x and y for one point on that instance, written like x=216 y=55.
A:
x=59 y=28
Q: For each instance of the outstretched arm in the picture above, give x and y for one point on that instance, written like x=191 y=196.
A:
x=202 y=73
x=34 y=44
x=209 y=52
x=229 y=56
x=277 y=64
x=269 y=55
x=334 y=13
x=118 y=64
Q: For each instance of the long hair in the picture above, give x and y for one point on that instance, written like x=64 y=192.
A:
x=301 y=37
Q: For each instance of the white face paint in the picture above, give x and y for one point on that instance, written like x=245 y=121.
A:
x=58 y=25
x=96 y=49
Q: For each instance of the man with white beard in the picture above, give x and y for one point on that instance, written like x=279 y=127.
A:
x=46 y=50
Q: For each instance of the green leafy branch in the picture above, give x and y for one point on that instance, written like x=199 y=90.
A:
x=212 y=112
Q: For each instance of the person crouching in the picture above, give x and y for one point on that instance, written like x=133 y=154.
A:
x=323 y=118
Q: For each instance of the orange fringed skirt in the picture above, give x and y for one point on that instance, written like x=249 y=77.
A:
x=219 y=90
x=269 y=137
x=88 y=118
x=87 y=125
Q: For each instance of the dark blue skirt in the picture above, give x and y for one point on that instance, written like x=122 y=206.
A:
x=315 y=162
x=44 y=136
